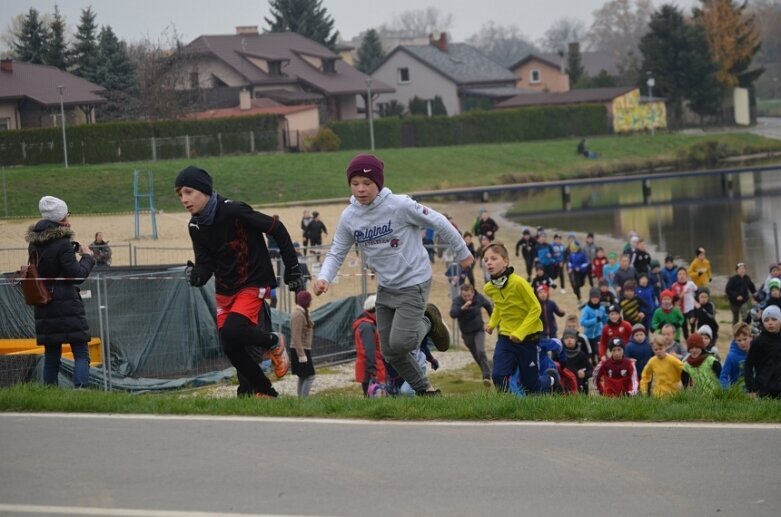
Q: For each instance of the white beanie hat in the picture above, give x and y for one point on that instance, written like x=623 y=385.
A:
x=52 y=208
x=705 y=330
x=368 y=304
x=771 y=311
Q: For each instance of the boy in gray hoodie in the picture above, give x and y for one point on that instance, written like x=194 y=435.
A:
x=386 y=228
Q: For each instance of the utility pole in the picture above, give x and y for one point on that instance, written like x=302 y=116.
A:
x=60 y=88
x=370 y=111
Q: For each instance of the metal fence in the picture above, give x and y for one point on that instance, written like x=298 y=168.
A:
x=151 y=330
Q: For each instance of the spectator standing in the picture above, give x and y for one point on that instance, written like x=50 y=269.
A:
x=314 y=232
x=301 y=335
x=306 y=218
x=63 y=319
x=467 y=309
x=101 y=251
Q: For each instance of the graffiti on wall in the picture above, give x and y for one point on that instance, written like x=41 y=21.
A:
x=629 y=114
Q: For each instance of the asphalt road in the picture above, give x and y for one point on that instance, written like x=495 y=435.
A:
x=111 y=465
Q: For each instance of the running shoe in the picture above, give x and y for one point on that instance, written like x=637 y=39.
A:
x=438 y=333
x=279 y=357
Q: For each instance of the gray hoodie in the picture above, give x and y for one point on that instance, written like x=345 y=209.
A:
x=387 y=232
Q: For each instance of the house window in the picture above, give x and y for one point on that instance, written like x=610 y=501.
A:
x=194 y=83
x=403 y=75
x=274 y=68
x=5 y=124
x=329 y=66
x=536 y=77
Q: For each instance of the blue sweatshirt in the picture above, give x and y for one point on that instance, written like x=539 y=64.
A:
x=732 y=371
x=669 y=277
x=640 y=352
x=387 y=231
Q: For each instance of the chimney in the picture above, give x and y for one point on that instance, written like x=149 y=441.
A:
x=441 y=43
x=247 y=30
x=7 y=65
x=245 y=100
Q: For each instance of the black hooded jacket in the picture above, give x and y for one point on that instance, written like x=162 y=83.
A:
x=63 y=319
x=763 y=365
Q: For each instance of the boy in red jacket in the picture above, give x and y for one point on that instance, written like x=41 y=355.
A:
x=615 y=327
x=616 y=376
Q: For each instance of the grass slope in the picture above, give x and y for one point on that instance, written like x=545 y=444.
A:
x=277 y=178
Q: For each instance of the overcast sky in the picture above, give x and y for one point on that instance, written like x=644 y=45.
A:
x=134 y=19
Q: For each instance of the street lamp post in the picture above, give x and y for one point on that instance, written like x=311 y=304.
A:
x=370 y=111
x=62 y=117
x=651 y=83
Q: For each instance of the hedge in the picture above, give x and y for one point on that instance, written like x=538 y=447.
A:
x=534 y=123
x=131 y=141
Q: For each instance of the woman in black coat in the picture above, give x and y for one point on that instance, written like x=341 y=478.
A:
x=63 y=319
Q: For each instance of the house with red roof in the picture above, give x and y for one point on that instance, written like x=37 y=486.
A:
x=30 y=96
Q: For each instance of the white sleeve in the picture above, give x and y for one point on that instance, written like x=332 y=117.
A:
x=340 y=245
x=428 y=217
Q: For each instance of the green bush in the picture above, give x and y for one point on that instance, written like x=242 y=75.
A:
x=325 y=140
x=535 y=123
x=131 y=141
x=705 y=154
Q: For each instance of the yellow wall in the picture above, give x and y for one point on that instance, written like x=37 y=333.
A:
x=630 y=115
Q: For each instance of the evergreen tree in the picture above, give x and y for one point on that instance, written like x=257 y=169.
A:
x=733 y=37
x=677 y=56
x=370 y=53
x=85 y=49
x=574 y=64
x=114 y=72
x=306 y=17
x=32 y=40
x=57 y=51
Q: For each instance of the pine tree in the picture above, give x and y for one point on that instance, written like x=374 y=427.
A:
x=57 y=51
x=574 y=64
x=306 y=17
x=733 y=37
x=85 y=49
x=677 y=56
x=370 y=53
x=32 y=40
x=114 y=72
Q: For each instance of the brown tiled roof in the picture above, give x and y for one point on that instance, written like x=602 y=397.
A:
x=39 y=83
x=259 y=107
x=288 y=46
x=570 y=97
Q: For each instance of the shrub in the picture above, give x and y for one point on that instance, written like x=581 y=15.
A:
x=324 y=141
x=704 y=154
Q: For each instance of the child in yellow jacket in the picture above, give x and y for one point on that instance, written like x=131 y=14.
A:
x=663 y=371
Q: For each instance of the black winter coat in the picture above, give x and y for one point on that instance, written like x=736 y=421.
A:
x=763 y=365
x=63 y=319
x=471 y=319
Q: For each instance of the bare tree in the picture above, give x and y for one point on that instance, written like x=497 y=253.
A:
x=421 y=22
x=561 y=33
x=619 y=25
x=163 y=68
x=504 y=44
x=8 y=37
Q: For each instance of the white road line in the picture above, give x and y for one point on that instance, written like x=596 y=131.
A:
x=436 y=423
x=119 y=512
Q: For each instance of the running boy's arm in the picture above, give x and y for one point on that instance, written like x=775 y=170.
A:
x=273 y=227
x=645 y=379
x=558 y=312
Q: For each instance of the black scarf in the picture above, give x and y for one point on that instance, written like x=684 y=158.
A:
x=206 y=217
x=500 y=280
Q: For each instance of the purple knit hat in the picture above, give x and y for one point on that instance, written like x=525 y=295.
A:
x=369 y=166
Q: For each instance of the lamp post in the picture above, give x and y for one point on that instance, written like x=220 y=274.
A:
x=62 y=116
x=370 y=111
x=651 y=83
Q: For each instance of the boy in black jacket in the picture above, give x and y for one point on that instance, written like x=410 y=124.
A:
x=528 y=248
x=467 y=309
x=228 y=243
x=577 y=361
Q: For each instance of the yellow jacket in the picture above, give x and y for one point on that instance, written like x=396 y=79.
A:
x=700 y=272
x=665 y=373
x=516 y=308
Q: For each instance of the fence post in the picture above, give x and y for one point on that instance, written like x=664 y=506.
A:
x=219 y=140
x=154 y=149
x=252 y=141
x=187 y=146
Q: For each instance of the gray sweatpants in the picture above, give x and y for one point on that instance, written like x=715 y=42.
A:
x=402 y=327
x=475 y=342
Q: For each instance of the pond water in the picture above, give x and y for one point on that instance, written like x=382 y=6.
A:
x=682 y=215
